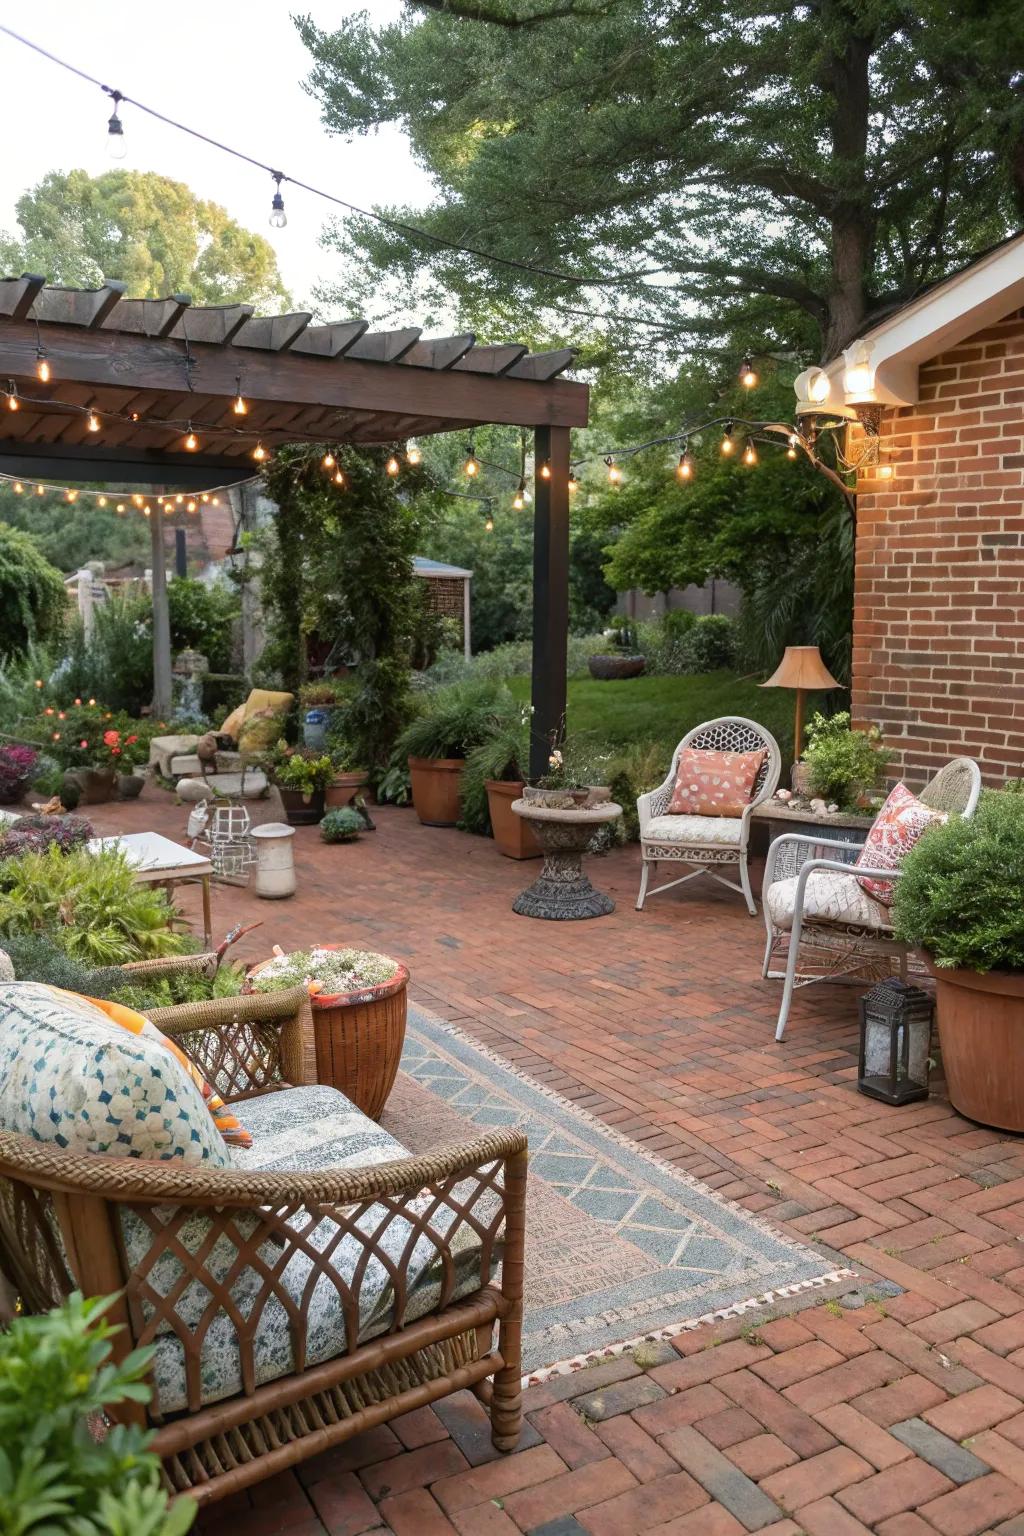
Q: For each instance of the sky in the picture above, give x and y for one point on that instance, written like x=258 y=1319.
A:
x=232 y=71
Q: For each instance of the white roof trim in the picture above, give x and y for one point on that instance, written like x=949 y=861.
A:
x=983 y=294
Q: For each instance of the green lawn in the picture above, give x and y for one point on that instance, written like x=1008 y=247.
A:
x=664 y=708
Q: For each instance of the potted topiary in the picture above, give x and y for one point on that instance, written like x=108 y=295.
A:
x=302 y=778
x=359 y=1010
x=451 y=723
x=959 y=900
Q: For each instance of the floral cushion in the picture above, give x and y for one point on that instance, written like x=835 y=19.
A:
x=714 y=783
x=694 y=831
x=894 y=832
x=829 y=897
x=298 y=1128
x=71 y=1076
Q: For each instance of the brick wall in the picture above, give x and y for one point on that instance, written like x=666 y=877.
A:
x=939 y=606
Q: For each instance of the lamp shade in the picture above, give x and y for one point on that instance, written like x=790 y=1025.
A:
x=801 y=667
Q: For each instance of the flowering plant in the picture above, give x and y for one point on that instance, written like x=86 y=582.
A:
x=564 y=770
x=33 y=834
x=323 y=970
x=301 y=769
x=17 y=765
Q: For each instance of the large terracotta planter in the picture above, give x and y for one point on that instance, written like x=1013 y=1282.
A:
x=512 y=835
x=981 y=1032
x=345 y=788
x=435 y=789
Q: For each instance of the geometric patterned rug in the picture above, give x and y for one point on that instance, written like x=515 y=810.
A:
x=620 y=1246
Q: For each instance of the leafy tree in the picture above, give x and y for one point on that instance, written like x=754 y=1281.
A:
x=145 y=230
x=32 y=598
x=203 y=618
x=774 y=172
x=69 y=535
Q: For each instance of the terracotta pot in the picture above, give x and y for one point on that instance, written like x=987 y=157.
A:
x=512 y=835
x=302 y=810
x=435 y=789
x=344 y=790
x=95 y=785
x=981 y=1032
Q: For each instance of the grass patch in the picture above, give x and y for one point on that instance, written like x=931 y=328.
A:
x=663 y=709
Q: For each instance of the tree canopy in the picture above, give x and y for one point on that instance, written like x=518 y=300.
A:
x=145 y=230
x=762 y=174
x=32 y=598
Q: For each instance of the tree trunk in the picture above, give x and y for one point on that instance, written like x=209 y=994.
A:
x=853 y=221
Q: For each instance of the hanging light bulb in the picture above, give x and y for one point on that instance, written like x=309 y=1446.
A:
x=572 y=483
x=116 y=146
x=71 y=495
x=260 y=454
x=413 y=454
x=791 y=452
x=92 y=422
x=191 y=441
x=519 y=499
x=119 y=507
x=727 y=446
x=18 y=487
x=13 y=403
x=138 y=498
x=240 y=408
x=147 y=511
x=614 y=472
x=278 y=217
x=204 y=498
x=190 y=506
x=750 y=454
x=392 y=467
x=545 y=470
x=179 y=498
x=42 y=366
x=328 y=461
x=101 y=501
x=471 y=467
x=748 y=373
x=684 y=469
x=215 y=501
x=489 y=525
x=339 y=478
x=40 y=490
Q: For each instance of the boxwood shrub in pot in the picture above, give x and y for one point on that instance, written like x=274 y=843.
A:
x=960 y=901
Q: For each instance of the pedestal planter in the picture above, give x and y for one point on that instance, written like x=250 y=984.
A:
x=512 y=835
x=344 y=790
x=611 y=668
x=981 y=1033
x=562 y=892
x=303 y=810
x=95 y=786
x=435 y=789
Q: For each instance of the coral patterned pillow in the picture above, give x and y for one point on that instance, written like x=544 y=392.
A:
x=714 y=783
x=894 y=832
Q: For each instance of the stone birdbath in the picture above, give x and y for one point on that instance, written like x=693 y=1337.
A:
x=562 y=892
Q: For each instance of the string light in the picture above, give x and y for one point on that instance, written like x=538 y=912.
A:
x=572 y=483
x=518 y=500
x=240 y=408
x=119 y=507
x=40 y=490
x=18 y=487
x=191 y=441
x=260 y=454
x=42 y=365
x=71 y=495
x=614 y=472
x=190 y=506
x=13 y=403
x=727 y=446
x=92 y=422
x=471 y=467
x=101 y=501
x=750 y=454
x=392 y=467
x=139 y=499
x=791 y=451
x=147 y=511
x=748 y=374
x=278 y=217
x=339 y=478
x=328 y=461
x=413 y=454
x=545 y=470
x=489 y=525
x=116 y=146
x=684 y=469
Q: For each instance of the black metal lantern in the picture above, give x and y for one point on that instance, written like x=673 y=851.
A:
x=895 y=1042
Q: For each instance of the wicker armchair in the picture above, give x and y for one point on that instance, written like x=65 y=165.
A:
x=706 y=843
x=107 y=1225
x=836 y=931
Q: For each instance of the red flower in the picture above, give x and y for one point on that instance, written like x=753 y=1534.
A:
x=83 y=743
x=111 y=738
x=115 y=751
x=130 y=740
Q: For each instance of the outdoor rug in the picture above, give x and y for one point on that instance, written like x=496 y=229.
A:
x=620 y=1246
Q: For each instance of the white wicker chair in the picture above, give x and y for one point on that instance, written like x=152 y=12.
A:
x=706 y=843
x=839 y=931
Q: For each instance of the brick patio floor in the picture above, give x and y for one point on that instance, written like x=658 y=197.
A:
x=903 y=1418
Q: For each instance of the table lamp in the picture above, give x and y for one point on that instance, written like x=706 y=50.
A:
x=801 y=668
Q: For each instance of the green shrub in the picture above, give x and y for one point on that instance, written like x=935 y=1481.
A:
x=630 y=773
x=32 y=596
x=87 y=903
x=959 y=897
x=663 y=643
x=455 y=720
x=57 y=1375
x=203 y=619
x=341 y=826
x=513 y=659
x=36 y=957
x=394 y=786
x=505 y=754
x=116 y=663
x=844 y=765
x=710 y=643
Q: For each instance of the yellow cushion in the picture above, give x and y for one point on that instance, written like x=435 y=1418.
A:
x=260 y=701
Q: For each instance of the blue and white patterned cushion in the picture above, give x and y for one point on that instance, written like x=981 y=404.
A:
x=70 y=1076
x=298 y=1128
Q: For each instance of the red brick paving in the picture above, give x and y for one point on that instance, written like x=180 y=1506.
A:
x=659 y=1024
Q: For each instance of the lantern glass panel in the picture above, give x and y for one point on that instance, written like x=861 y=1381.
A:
x=895 y=1042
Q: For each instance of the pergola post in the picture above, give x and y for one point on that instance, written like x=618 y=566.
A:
x=161 y=617
x=550 y=594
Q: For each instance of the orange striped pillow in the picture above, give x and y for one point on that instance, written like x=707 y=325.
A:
x=230 y=1127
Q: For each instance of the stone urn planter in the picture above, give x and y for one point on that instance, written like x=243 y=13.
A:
x=435 y=789
x=562 y=891
x=611 y=667
x=95 y=786
x=345 y=788
x=130 y=786
x=512 y=835
x=980 y=1018
x=303 y=810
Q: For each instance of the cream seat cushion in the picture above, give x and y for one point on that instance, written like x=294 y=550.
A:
x=694 y=831
x=829 y=897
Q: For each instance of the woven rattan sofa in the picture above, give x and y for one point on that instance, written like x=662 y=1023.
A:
x=378 y=1282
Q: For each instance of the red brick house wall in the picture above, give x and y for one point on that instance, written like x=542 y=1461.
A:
x=939 y=606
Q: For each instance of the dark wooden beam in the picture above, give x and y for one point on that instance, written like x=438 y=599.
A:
x=185 y=472
x=100 y=358
x=151 y=317
x=438 y=352
x=18 y=294
x=78 y=306
x=550 y=596
x=274 y=333
x=542 y=365
x=492 y=359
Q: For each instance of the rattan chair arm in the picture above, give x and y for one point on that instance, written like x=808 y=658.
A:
x=130 y=1180
x=205 y=964
x=298 y=1052
x=783 y=844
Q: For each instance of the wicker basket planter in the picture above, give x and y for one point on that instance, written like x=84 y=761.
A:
x=435 y=789
x=512 y=835
x=609 y=668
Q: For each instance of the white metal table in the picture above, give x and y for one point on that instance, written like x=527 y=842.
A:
x=159 y=861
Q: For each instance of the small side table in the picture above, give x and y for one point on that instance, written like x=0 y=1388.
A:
x=834 y=827
x=156 y=860
x=562 y=892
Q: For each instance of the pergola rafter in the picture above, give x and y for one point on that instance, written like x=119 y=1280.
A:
x=168 y=363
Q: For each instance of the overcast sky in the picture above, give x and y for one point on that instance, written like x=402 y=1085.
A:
x=234 y=71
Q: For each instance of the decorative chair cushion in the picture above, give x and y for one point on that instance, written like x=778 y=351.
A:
x=69 y=1075
x=894 y=832
x=694 y=831
x=301 y=1128
x=260 y=700
x=714 y=783
x=227 y=1123
x=829 y=897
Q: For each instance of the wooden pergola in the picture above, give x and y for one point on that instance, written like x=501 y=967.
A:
x=151 y=368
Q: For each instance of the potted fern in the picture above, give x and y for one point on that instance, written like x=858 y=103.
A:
x=452 y=722
x=494 y=777
x=959 y=900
